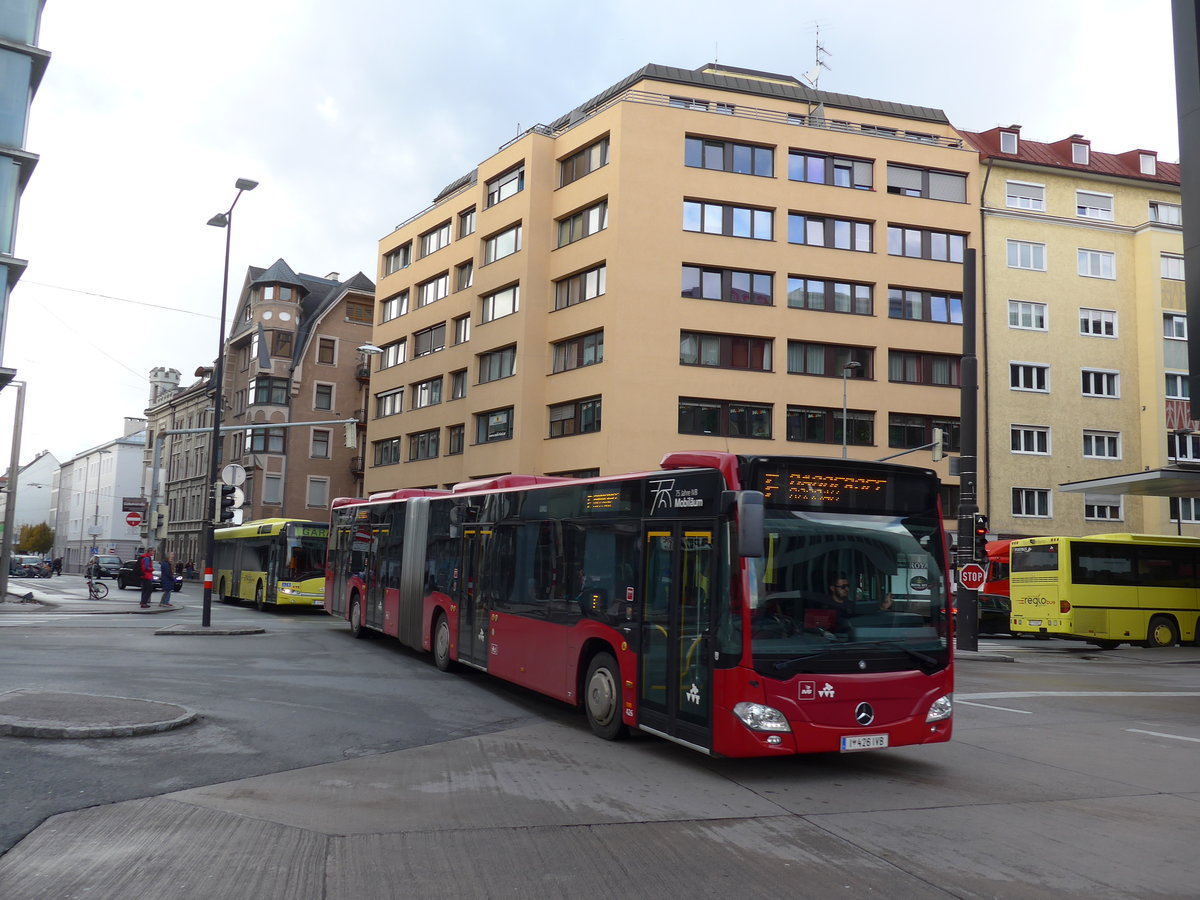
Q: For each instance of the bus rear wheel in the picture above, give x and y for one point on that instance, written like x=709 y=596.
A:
x=1163 y=632
x=602 y=697
x=441 y=643
x=356 y=623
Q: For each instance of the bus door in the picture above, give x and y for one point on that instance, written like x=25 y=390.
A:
x=274 y=564
x=472 y=610
x=675 y=671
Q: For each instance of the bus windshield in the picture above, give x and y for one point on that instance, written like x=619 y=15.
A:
x=1040 y=558
x=830 y=586
x=305 y=557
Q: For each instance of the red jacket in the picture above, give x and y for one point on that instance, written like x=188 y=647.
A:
x=146 y=564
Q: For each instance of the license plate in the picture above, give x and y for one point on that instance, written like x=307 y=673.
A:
x=1036 y=623
x=864 y=742
x=318 y=603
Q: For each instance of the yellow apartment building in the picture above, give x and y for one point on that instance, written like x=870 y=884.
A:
x=709 y=259
x=1086 y=334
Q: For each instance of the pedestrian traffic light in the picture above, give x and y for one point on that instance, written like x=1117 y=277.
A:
x=980 y=531
x=226 y=501
x=939 y=444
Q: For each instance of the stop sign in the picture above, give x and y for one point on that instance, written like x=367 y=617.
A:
x=971 y=576
x=134 y=519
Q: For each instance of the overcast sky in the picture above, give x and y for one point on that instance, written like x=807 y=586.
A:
x=352 y=115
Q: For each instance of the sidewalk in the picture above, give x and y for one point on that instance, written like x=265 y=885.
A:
x=70 y=591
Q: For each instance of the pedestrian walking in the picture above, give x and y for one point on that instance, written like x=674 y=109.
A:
x=146 y=567
x=57 y=565
x=167 y=573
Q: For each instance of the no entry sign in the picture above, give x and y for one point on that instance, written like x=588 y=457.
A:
x=134 y=519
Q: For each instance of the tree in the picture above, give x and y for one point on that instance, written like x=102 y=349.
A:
x=35 y=538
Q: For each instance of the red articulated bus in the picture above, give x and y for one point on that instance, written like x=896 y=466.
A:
x=738 y=605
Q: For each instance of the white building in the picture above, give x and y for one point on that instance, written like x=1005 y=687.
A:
x=35 y=483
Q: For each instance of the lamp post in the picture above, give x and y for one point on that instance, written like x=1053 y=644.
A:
x=366 y=351
x=220 y=220
x=846 y=370
x=10 y=487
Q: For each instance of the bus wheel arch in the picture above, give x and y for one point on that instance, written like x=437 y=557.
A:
x=356 y=622
x=602 y=695
x=1163 y=632
x=441 y=641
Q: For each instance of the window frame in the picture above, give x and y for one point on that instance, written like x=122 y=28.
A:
x=1028 y=435
x=1041 y=497
x=1094 y=325
x=434 y=239
x=583 y=223
x=584 y=417
x=577 y=287
x=488 y=304
x=504 y=425
x=1110 y=380
x=699 y=151
x=580 y=163
x=1018 y=370
x=577 y=352
x=755 y=414
x=728 y=220
x=1110 y=439
x=855 y=235
x=493 y=250
x=900 y=238
x=1036 y=253
x=1033 y=308
x=729 y=348
x=497 y=364
x=496 y=190
x=1087 y=259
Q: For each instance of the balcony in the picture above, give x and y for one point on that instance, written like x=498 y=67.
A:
x=356 y=465
x=363 y=373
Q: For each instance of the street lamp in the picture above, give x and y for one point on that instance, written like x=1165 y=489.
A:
x=220 y=220
x=846 y=370
x=366 y=351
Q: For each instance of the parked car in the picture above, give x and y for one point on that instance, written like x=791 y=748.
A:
x=994 y=614
x=130 y=576
x=25 y=565
x=109 y=565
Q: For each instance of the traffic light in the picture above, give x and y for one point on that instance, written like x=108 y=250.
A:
x=939 y=444
x=160 y=522
x=980 y=531
x=226 y=501
x=351 y=435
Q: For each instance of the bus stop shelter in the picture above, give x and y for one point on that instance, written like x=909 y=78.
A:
x=1168 y=481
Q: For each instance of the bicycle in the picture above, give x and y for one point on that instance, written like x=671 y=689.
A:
x=97 y=590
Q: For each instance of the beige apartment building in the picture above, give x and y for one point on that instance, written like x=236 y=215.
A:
x=708 y=259
x=1086 y=334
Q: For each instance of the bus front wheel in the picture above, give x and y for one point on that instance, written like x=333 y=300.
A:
x=441 y=643
x=602 y=697
x=1163 y=632
x=356 y=624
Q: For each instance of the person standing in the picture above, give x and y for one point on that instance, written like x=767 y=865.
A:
x=146 y=567
x=167 y=573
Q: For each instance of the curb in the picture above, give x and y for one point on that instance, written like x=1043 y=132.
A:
x=47 y=726
x=191 y=629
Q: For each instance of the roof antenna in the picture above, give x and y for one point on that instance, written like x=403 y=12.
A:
x=813 y=75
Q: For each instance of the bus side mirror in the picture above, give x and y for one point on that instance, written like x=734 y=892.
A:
x=750 y=531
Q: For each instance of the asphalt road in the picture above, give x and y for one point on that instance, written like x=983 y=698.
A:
x=1072 y=771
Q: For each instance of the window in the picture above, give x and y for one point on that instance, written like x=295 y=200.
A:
x=358 y=311
x=583 y=162
x=266 y=391
x=1008 y=142
x=726 y=418
x=318 y=492
x=462 y=329
x=1030 y=439
x=429 y=340
x=1171 y=266
x=1098 y=322
x=265 y=440
x=326 y=351
x=497 y=364
x=466 y=222
x=1097 y=264
x=1175 y=326
x=583 y=223
x=272 y=492
x=423 y=445
x=389 y=403
x=1027 y=314
x=1031 y=503
x=455 y=439
x=276 y=292
x=820 y=231
x=1101 y=383
x=805 y=358
x=928 y=183
x=1183 y=447
x=436 y=239
x=1023 y=195
x=395 y=307
x=504 y=186
x=730 y=285
x=281 y=343
x=1102 y=444
x=1026 y=255
x=427 y=393
x=1177 y=386
x=494 y=426
x=323 y=396
x=1029 y=377
x=1166 y=213
x=733 y=221
x=394 y=354
x=319 y=445
x=1184 y=509
x=1147 y=163
x=498 y=246
x=580 y=287
x=1079 y=154
x=576 y=417
x=820 y=425
x=728 y=351
x=585 y=350
x=1089 y=205
x=839 y=171
x=1105 y=507
x=500 y=304
x=924 y=306
x=433 y=290
x=458 y=384
x=464 y=275
x=687 y=103
x=400 y=258
x=387 y=453
x=726 y=156
x=829 y=296
x=906 y=367
x=922 y=243
x=907 y=431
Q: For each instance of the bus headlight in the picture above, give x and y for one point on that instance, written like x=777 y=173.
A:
x=940 y=709
x=757 y=717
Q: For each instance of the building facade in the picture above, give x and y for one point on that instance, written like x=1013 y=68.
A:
x=35 y=489
x=1086 y=334
x=708 y=259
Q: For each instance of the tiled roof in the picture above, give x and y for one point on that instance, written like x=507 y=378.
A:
x=1058 y=156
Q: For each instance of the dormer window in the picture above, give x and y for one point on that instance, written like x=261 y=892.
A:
x=1148 y=163
x=276 y=292
x=1008 y=142
x=1079 y=154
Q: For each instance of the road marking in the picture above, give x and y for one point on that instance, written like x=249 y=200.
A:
x=1022 y=695
x=1023 y=712
x=1174 y=737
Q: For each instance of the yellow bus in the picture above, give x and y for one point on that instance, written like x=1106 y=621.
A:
x=272 y=562
x=1107 y=589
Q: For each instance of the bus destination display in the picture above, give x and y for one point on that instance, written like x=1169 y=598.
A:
x=819 y=486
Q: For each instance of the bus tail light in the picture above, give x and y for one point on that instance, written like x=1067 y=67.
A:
x=940 y=709
x=1064 y=607
x=758 y=717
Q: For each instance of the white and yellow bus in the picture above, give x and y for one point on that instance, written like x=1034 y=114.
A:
x=272 y=562
x=1107 y=589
